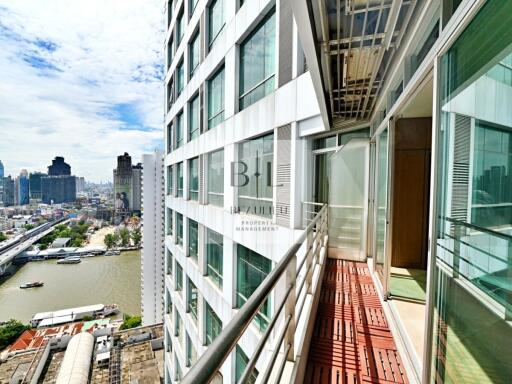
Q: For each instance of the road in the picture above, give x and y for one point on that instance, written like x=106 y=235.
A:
x=12 y=250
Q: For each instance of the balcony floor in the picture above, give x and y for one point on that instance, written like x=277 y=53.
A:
x=351 y=341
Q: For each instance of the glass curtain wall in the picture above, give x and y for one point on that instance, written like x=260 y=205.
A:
x=381 y=200
x=471 y=278
x=255 y=167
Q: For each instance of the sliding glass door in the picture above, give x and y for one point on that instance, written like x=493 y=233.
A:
x=381 y=204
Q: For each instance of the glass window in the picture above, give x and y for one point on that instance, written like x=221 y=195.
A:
x=179 y=130
x=169 y=12
x=192 y=239
x=191 y=352
x=193 y=178
x=179 y=229
x=169 y=221
x=170 y=94
x=169 y=261
x=193 y=50
x=180 y=330
x=169 y=138
x=169 y=180
x=216 y=99
x=471 y=283
x=216 y=178
x=180 y=28
x=213 y=324
x=179 y=373
x=179 y=277
x=252 y=268
x=241 y=363
x=192 y=293
x=179 y=181
x=215 y=20
x=169 y=302
x=257 y=63
x=170 y=53
x=193 y=118
x=180 y=78
x=255 y=167
x=192 y=6
x=214 y=254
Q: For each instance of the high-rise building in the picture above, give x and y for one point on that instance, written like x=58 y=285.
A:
x=1 y=169
x=35 y=185
x=152 y=260
x=80 y=184
x=22 y=188
x=59 y=167
x=59 y=186
x=8 y=191
x=391 y=119
x=127 y=186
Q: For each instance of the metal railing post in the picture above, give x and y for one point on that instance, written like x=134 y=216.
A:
x=289 y=308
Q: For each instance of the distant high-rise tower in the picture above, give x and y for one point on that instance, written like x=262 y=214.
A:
x=127 y=186
x=1 y=169
x=22 y=188
x=59 y=186
x=152 y=262
x=35 y=184
x=59 y=167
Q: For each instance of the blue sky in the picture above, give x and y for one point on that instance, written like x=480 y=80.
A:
x=80 y=79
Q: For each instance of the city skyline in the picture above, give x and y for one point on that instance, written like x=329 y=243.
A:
x=79 y=84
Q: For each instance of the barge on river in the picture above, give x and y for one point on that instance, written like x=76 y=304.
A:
x=47 y=319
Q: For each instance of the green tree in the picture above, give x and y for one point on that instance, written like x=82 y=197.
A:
x=136 y=237
x=130 y=322
x=110 y=240
x=124 y=235
x=28 y=227
x=10 y=331
x=2 y=236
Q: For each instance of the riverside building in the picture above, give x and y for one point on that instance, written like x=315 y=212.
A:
x=395 y=116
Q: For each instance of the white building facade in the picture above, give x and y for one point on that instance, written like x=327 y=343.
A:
x=152 y=261
x=238 y=98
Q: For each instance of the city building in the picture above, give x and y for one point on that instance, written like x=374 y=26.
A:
x=395 y=114
x=1 y=169
x=35 y=185
x=22 y=188
x=59 y=167
x=8 y=191
x=80 y=184
x=127 y=187
x=152 y=260
x=59 y=186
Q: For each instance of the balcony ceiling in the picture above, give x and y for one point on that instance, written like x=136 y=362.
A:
x=357 y=40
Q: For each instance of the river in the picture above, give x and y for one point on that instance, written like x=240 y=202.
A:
x=101 y=279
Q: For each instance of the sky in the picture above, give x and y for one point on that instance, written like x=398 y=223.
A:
x=80 y=79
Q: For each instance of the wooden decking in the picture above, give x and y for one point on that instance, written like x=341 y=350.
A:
x=351 y=342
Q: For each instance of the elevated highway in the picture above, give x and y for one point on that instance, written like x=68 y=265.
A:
x=10 y=249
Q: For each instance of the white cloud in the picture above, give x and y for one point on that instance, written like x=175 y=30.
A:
x=79 y=79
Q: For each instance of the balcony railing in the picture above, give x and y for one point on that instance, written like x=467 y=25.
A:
x=300 y=269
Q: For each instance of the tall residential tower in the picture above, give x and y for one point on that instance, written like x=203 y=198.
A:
x=383 y=125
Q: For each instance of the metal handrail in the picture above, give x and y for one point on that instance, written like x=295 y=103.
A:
x=213 y=358
x=478 y=228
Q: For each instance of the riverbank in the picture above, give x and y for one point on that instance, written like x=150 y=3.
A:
x=102 y=279
x=98 y=237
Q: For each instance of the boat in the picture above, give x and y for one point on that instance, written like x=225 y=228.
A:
x=34 y=284
x=63 y=316
x=112 y=253
x=70 y=260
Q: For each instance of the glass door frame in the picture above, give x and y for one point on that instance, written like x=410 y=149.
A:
x=383 y=285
